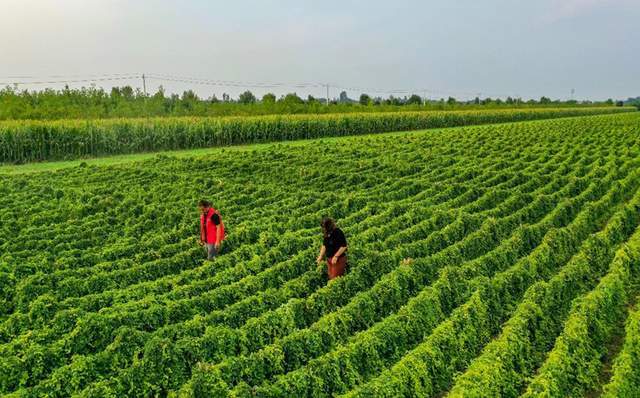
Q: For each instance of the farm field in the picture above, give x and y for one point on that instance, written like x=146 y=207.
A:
x=23 y=141
x=485 y=261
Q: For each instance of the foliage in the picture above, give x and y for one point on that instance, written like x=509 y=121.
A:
x=27 y=141
x=123 y=102
x=247 y=98
x=493 y=260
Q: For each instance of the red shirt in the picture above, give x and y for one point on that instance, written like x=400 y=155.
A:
x=208 y=230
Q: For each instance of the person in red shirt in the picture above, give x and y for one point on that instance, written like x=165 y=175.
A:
x=211 y=229
x=334 y=248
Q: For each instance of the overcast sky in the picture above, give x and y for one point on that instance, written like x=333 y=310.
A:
x=521 y=48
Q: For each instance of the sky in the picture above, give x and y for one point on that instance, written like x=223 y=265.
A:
x=463 y=48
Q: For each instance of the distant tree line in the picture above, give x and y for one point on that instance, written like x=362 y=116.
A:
x=92 y=103
x=633 y=102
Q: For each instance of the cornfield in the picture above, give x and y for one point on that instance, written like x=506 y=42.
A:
x=28 y=141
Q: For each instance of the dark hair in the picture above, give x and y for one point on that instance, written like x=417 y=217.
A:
x=328 y=225
x=204 y=203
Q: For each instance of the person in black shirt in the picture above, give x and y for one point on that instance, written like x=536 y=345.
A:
x=334 y=248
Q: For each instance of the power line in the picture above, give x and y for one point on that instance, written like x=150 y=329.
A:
x=98 y=75
x=231 y=83
x=89 y=78
x=66 y=81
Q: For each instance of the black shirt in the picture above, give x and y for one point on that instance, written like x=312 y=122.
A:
x=334 y=242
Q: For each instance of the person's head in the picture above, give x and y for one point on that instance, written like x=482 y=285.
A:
x=204 y=206
x=328 y=225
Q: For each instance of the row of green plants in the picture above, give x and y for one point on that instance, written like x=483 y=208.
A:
x=184 y=310
x=200 y=275
x=220 y=340
x=506 y=363
x=126 y=101
x=147 y=214
x=28 y=141
x=393 y=227
x=575 y=364
x=432 y=218
x=281 y=357
x=430 y=368
x=389 y=338
x=625 y=381
x=432 y=304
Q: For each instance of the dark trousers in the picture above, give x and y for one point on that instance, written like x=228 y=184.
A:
x=211 y=251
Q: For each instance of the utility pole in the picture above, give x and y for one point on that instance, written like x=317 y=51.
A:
x=573 y=91
x=327 y=85
x=144 y=85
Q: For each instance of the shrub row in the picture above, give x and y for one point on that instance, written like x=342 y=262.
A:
x=574 y=365
x=477 y=204
x=625 y=381
x=506 y=362
x=299 y=347
x=429 y=369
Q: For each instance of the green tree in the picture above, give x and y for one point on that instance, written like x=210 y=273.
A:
x=247 y=98
x=159 y=95
x=269 y=98
x=364 y=99
x=127 y=92
x=292 y=98
x=415 y=99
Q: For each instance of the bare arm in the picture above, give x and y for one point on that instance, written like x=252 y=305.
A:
x=201 y=232
x=340 y=251
x=218 y=234
x=323 y=251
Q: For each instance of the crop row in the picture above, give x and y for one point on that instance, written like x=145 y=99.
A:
x=26 y=141
x=625 y=381
x=66 y=275
x=270 y=361
x=429 y=369
x=182 y=310
x=199 y=275
x=574 y=366
x=459 y=240
x=488 y=202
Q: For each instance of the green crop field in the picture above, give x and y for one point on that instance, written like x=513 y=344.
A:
x=484 y=261
x=28 y=141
